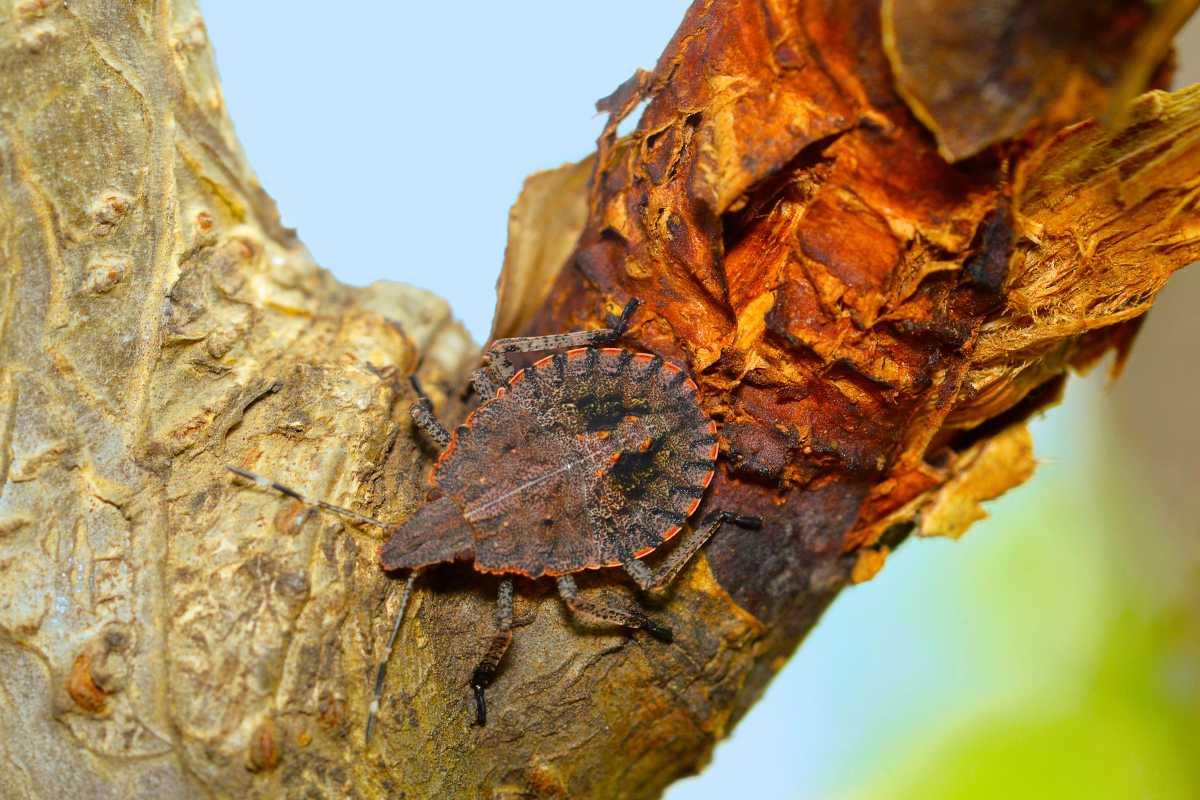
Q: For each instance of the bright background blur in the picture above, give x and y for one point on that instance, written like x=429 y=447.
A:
x=1054 y=652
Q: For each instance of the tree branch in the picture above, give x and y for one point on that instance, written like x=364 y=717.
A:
x=868 y=322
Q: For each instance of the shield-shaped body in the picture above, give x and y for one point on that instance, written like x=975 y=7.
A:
x=586 y=459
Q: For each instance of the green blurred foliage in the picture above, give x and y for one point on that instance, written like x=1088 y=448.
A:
x=1085 y=604
x=1122 y=734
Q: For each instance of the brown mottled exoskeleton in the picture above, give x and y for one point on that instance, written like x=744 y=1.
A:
x=588 y=458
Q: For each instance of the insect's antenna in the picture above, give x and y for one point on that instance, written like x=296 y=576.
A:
x=381 y=673
x=267 y=483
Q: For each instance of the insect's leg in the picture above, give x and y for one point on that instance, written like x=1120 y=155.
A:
x=267 y=483
x=381 y=672
x=422 y=415
x=667 y=571
x=485 y=673
x=495 y=354
x=627 y=618
x=484 y=383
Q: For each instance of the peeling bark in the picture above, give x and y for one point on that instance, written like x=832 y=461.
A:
x=869 y=323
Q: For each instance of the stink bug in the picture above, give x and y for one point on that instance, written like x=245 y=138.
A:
x=587 y=459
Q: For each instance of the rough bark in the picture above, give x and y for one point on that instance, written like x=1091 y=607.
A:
x=869 y=323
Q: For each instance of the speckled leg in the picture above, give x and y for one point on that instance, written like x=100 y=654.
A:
x=503 y=369
x=381 y=671
x=626 y=618
x=422 y=415
x=651 y=580
x=485 y=673
x=484 y=383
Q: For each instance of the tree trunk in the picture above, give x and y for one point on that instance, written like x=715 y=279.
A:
x=877 y=234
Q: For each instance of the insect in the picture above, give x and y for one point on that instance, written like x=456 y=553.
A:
x=589 y=458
